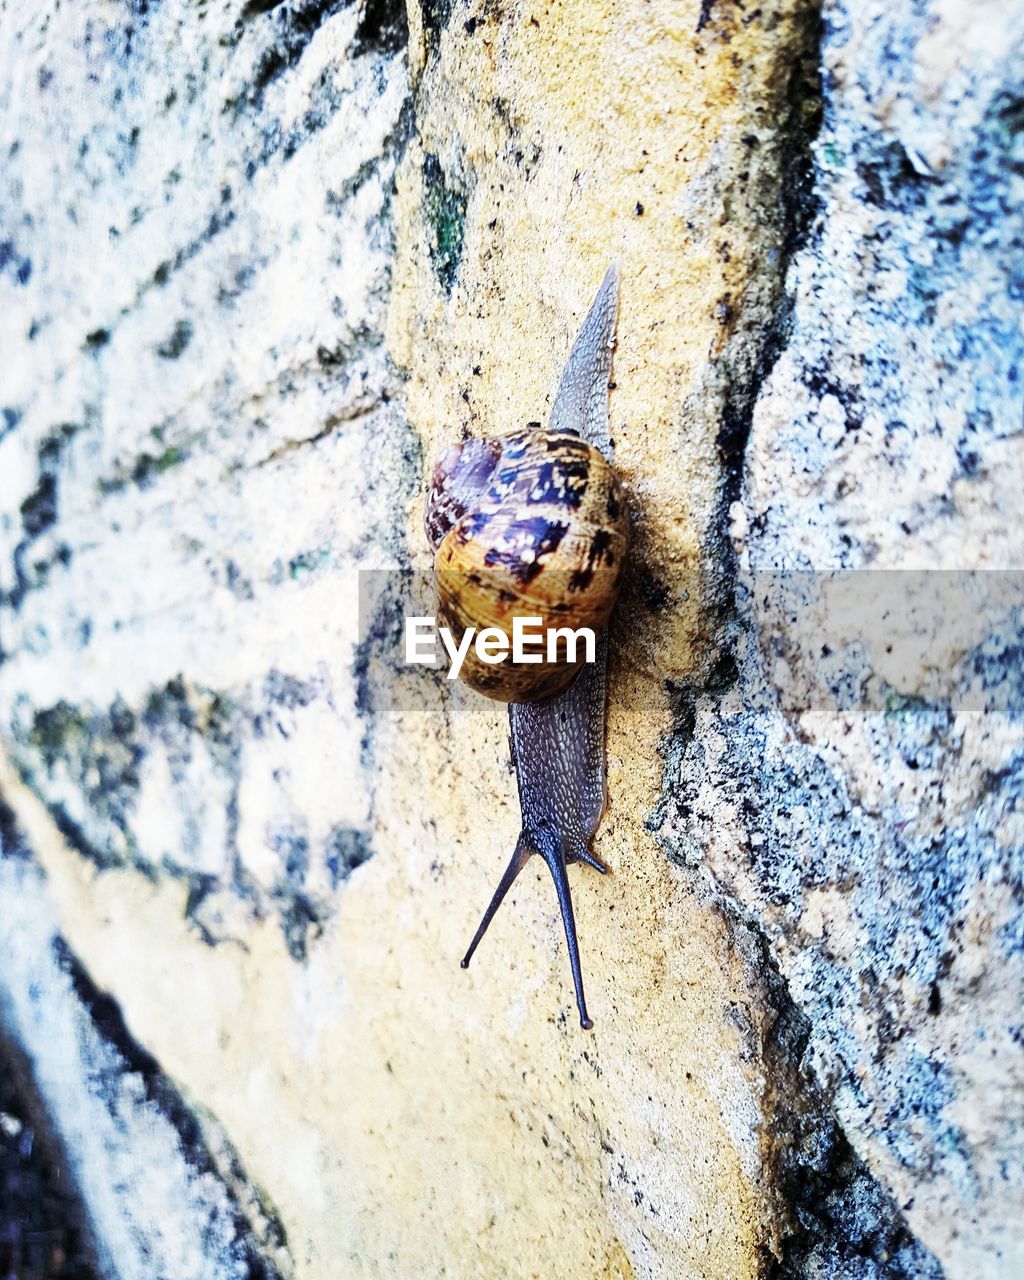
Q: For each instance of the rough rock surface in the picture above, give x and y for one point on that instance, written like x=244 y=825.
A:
x=155 y=1198
x=884 y=835
x=260 y=263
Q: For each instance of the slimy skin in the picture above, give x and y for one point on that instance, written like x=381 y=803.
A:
x=558 y=745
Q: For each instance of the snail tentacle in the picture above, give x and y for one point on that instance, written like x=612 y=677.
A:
x=583 y=854
x=556 y=865
x=553 y=854
x=520 y=857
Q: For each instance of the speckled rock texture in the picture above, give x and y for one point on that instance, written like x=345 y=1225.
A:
x=880 y=846
x=260 y=263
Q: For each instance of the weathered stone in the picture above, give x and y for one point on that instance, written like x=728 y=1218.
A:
x=156 y=1197
x=871 y=754
x=264 y=261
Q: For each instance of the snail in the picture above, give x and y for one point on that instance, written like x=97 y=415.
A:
x=535 y=523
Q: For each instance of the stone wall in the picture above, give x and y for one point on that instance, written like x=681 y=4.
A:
x=260 y=263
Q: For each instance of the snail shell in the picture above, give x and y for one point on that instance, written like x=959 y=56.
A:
x=532 y=524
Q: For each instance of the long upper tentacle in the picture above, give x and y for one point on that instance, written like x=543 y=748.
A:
x=556 y=865
x=519 y=859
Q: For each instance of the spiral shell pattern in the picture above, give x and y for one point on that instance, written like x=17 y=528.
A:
x=532 y=524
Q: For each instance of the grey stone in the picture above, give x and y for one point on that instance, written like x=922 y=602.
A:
x=868 y=758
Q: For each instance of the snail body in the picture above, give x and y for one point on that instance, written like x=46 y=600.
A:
x=534 y=523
